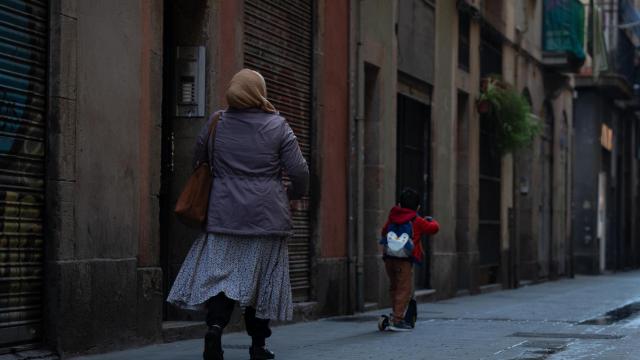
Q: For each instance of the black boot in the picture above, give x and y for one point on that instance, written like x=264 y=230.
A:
x=213 y=344
x=261 y=353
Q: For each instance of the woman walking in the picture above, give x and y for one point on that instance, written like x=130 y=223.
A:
x=243 y=256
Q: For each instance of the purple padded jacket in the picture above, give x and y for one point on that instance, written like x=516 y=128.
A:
x=250 y=151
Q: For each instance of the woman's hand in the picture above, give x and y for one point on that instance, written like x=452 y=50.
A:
x=298 y=205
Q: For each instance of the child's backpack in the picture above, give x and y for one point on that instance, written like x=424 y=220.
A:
x=398 y=241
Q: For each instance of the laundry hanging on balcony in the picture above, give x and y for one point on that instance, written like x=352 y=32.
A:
x=630 y=21
x=564 y=27
x=597 y=44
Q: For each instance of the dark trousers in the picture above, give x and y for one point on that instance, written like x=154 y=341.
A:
x=220 y=309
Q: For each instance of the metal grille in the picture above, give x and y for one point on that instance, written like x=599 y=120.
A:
x=489 y=204
x=490 y=168
x=278 y=44
x=23 y=56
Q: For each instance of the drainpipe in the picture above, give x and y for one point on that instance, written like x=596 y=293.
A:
x=351 y=200
x=354 y=243
x=359 y=143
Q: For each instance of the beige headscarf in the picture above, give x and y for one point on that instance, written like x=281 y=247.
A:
x=248 y=89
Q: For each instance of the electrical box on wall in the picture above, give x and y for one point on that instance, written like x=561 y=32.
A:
x=189 y=81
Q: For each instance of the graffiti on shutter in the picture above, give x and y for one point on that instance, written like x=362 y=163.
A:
x=23 y=63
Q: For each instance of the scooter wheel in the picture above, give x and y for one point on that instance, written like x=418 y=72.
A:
x=383 y=323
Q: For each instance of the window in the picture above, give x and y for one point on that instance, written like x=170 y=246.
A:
x=490 y=52
x=464 y=29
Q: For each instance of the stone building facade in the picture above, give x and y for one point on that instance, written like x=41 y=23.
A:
x=101 y=102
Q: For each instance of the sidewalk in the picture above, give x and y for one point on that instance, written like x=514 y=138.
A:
x=535 y=322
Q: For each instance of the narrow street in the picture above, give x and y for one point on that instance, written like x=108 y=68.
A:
x=582 y=318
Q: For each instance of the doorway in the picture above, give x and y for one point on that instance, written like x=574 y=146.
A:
x=277 y=42
x=489 y=223
x=413 y=164
x=545 y=206
x=178 y=138
x=490 y=171
x=463 y=237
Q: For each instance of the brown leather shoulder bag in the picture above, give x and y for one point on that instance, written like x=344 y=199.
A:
x=193 y=202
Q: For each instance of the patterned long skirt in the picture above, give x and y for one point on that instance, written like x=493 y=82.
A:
x=251 y=270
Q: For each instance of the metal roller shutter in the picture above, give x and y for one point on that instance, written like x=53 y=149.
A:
x=278 y=43
x=23 y=63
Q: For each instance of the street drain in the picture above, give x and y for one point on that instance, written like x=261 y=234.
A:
x=567 y=336
x=542 y=346
x=615 y=315
x=541 y=349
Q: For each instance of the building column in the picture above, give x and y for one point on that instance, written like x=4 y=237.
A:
x=509 y=71
x=376 y=141
x=444 y=256
x=467 y=159
x=330 y=274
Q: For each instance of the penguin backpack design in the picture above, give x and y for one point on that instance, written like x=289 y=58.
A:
x=398 y=241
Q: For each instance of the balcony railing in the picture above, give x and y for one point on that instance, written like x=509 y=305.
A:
x=563 y=34
x=623 y=59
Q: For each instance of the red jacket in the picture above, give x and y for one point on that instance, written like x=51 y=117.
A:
x=421 y=226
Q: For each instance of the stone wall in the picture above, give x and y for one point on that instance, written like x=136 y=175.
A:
x=103 y=281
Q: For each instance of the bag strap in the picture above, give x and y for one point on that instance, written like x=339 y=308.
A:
x=212 y=134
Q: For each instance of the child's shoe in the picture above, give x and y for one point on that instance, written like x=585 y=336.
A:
x=400 y=325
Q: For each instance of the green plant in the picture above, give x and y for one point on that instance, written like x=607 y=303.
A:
x=489 y=98
x=510 y=112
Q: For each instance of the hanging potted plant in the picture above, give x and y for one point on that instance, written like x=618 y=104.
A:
x=489 y=95
x=515 y=126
